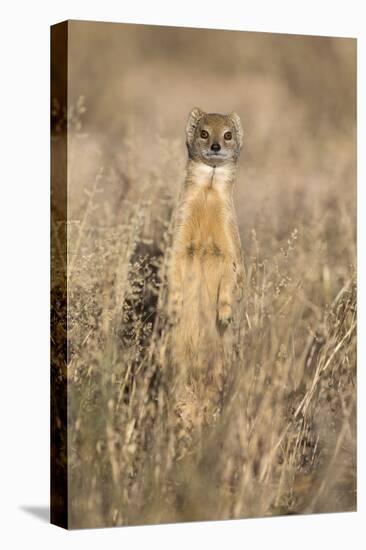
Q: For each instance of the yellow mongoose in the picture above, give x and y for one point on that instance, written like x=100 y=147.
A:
x=206 y=272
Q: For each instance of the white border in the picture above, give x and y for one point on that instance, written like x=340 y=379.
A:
x=24 y=200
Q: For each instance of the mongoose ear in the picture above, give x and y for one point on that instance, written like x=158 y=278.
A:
x=238 y=127
x=194 y=116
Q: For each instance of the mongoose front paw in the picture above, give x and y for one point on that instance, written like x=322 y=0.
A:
x=175 y=307
x=224 y=315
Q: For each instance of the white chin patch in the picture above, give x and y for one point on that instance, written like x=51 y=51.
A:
x=214 y=159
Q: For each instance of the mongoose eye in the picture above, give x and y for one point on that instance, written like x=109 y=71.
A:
x=204 y=134
x=228 y=136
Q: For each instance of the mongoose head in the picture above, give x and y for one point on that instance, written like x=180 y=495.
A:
x=212 y=138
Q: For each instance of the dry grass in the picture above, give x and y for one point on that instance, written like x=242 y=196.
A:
x=285 y=439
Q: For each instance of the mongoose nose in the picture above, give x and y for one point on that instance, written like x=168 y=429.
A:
x=215 y=147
